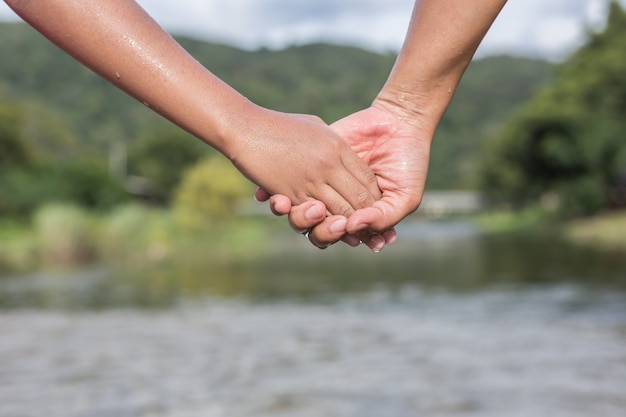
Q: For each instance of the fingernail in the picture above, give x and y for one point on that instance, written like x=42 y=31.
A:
x=351 y=240
x=338 y=226
x=390 y=236
x=313 y=213
x=377 y=243
x=359 y=227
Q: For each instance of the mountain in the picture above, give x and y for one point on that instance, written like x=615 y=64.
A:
x=328 y=80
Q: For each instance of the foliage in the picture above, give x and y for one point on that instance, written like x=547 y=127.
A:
x=64 y=232
x=328 y=80
x=529 y=219
x=83 y=182
x=567 y=141
x=607 y=231
x=13 y=148
x=490 y=91
x=162 y=157
x=135 y=231
x=35 y=167
x=211 y=190
x=17 y=245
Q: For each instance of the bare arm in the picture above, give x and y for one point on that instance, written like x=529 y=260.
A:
x=441 y=40
x=120 y=42
x=394 y=135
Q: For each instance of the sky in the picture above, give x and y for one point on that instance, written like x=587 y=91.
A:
x=549 y=29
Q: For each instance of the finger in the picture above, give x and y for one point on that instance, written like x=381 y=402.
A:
x=306 y=215
x=351 y=240
x=360 y=188
x=325 y=231
x=374 y=241
x=261 y=195
x=381 y=216
x=280 y=205
x=349 y=186
x=329 y=231
x=390 y=236
x=362 y=185
x=349 y=177
x=332 y=229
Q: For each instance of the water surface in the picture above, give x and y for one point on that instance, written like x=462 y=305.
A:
x=446 y=323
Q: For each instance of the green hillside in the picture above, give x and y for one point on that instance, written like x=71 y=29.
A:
x=68 y=110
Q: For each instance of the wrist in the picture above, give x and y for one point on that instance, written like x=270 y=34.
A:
x=421 y=107
x=235 y=126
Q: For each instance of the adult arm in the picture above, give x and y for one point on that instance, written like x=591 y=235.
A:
x=293 y=155
x=394 y=135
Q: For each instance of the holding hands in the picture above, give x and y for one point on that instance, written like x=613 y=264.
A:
x=352 y=181
x=397 y=152
x=394 y=135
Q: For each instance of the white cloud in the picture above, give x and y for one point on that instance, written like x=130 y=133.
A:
x=377 y=24
x=550 y=29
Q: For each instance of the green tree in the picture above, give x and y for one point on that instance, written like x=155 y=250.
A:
x=210 y=191
x=14 y=151
x=163 y=156
x=85 y=182
x=567 y=141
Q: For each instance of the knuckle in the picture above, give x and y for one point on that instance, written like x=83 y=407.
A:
x=363 y=199
x=318 y=243
x=344 y=210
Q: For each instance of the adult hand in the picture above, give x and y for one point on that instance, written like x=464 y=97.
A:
x=397 y=149
x=300 y=157
x=394 y=135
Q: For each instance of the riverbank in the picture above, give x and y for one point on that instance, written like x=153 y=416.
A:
x=510 y=221
x=607 y=231
x=64 y=237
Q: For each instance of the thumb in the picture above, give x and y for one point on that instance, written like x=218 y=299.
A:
x=381 y=216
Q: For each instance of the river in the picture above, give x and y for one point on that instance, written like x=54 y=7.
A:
x=446 y=323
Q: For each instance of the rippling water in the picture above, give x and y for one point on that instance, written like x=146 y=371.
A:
x=533 y=353
x=553 y=348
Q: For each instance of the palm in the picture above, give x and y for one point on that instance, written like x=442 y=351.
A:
x=396 y=154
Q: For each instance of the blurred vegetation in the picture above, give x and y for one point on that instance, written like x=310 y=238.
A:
x=605 y=231
x=163 y=157
x=64 y=234
x=67 y=112
x=211 y=191
x=565 y=148
x=70 y=144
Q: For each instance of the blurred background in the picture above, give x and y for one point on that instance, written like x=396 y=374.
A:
x=138 y=277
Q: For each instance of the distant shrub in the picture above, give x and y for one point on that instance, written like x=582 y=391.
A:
x=123 y=229
x=133 y=230
x=65 y=234
x=83 y=182
x=162 y=157
x=210 y=191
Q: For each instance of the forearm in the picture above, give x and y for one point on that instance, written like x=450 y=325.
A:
x=294 y=155
x=120 y=42
x=442 y=38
